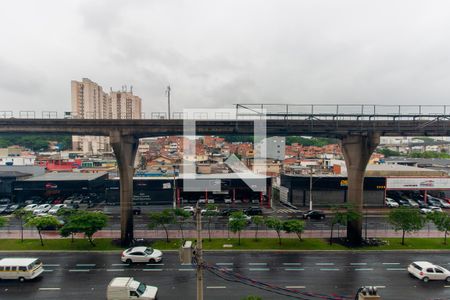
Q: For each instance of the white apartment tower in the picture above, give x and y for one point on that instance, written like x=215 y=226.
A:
x=89 y=101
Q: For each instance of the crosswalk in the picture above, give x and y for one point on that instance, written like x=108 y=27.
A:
x=287 y=211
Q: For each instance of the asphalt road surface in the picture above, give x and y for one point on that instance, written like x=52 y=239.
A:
x=86 y=275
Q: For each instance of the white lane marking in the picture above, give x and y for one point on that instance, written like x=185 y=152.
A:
x=296 y=287
x=292 y=264
x=115 y=265
x=51 y=265
x=186 y=269
x=380 y=286
x=86 y=265
x=294 y=269
x=396 y=269
x=216 y=287
x=259 y=269
x=257 y=264
x=186 y=264
x=324 y=264
x=447 y=286
x=363 y=269
x=49 y=289
x=224 y=264
x=154 y=264
x=114 y=270
x=151 y=270
x=79 y=270
x=391 y=263
x=328 y=269
x=358 y=264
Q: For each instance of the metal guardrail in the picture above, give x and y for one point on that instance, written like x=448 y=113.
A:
x=432 y=113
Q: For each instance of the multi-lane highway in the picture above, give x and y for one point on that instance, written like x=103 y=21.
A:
x=86 y=275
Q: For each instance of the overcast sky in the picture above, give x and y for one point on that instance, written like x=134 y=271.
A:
x=216 y=53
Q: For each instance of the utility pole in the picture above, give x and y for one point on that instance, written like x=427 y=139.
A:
x=199 y=253
x=310 y=186
x=168 y=101
x=174 y=199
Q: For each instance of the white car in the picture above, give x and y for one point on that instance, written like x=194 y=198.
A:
x=54 y=210
x=43 y=208
x=141 y=254
x=203 y=201
x=213 y=211
x=227 y=201
x=30 y=207
x=247 y=218
x=427 y=271
x=127 y=288
x=189 y=209
x=390 y=202
x=430 y=209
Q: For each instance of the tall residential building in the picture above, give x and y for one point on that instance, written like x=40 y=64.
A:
x=89 y=101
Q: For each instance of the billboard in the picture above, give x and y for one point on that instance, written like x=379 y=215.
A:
x=417 y=183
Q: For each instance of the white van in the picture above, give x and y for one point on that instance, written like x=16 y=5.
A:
x=20 y=268
x=123 y=288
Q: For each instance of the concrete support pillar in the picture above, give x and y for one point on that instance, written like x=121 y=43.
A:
x=125 y=148
x=357 y=150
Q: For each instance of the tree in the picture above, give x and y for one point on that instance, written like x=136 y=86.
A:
x=343 y=214
x=237 y=223
x=87 y=222
x=162 y=219
x=294 y=226
x=210 y=212
x=180 y=216
x=275 y=224
x=388 y=152
x=406 y=220
x=22 y=215
x=442 y=222
x=42 y=223
x=252 y=298
x=258 y=221
x=3 y=221
x=68 y=229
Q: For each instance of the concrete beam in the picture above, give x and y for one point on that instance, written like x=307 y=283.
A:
x=357 y=150
x=125 y=148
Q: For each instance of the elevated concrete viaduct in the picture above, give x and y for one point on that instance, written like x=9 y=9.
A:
x=359 y=138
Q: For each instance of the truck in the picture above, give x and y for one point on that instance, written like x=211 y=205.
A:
x=124 y=288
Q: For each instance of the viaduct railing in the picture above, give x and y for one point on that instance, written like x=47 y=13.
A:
x=270 y=111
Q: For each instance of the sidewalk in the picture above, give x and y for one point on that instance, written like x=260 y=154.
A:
x=160 y=234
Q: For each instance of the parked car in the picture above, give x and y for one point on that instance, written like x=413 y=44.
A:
x=427 y=271
x=227 y=201
x=189 y=209
x=214 y=211
x=228 y=211
x=141 y=254
x=314 y=214
x=247 y=218
x=390 y=202
x=12 y=208
x=403 y=203
x=4 y=201
x=3 y=208
x=411 y=202
x=124 y=288
x=430 y=209
x=54 y=210
x=43 y=208
x=253 y=211
x=30 y=207
x=443 y=203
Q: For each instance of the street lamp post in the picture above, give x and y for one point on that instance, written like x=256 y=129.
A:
x=174 y=187
x=310 y=187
